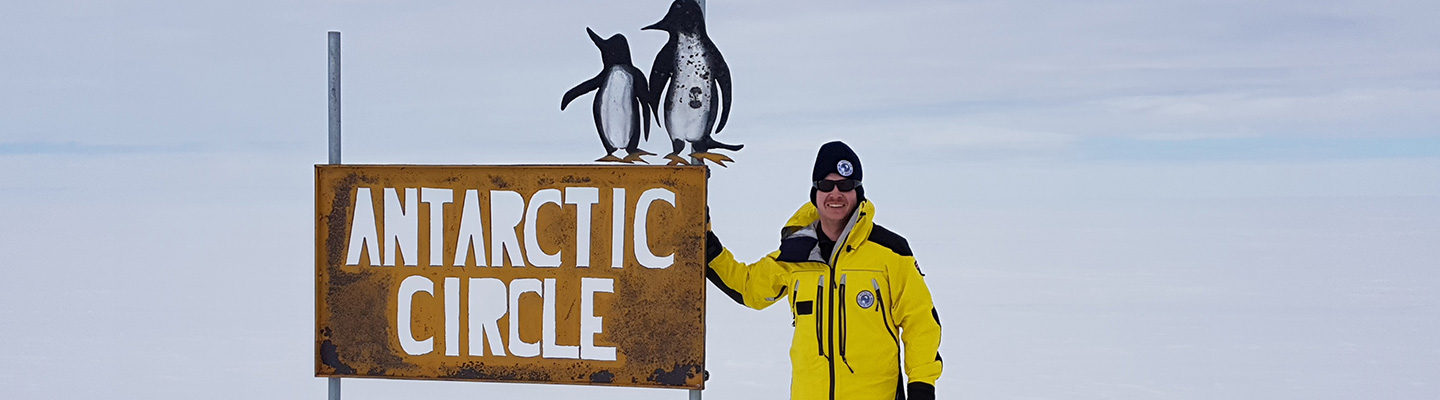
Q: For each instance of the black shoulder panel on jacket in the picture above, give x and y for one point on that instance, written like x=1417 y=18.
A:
x=796 y=249
x=890 y=240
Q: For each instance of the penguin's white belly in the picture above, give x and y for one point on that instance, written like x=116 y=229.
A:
x=691 y=111
x=617 y=106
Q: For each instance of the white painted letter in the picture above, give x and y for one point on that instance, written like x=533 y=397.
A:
x=452 y=316
x=642 y=240
x=487 y=306
x=533 y=253
x=408 y=288
x=402 y=227
x=518 y=287
x=437 y=198
x=506 y=210
x=472 y=231
x=584 y=198
x=617 y=230
x=591 y=324
x=547 y=339
x=362 y=230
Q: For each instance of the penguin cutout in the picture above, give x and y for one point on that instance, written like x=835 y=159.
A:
x=694 y=78
x=621 y=110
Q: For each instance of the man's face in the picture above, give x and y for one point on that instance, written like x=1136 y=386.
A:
x=835 y=205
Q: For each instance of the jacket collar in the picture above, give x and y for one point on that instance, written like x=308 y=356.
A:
x=806 y=223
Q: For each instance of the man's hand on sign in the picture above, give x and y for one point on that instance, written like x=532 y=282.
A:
x=712 y=242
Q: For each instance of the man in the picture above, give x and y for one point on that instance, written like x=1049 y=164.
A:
x=854 y=288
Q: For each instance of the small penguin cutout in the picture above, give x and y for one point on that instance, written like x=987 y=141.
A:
x=695 y=81
x=622 y=111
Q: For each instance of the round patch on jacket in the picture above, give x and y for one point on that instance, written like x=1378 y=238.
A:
x=844 y=168
x=864 y=299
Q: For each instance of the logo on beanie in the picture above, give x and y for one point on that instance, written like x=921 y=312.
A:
x=844 y=168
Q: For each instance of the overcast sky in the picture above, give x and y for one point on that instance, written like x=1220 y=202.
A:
x=1113 y=199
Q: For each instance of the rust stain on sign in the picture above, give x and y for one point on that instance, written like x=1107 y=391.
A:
x=542 y=274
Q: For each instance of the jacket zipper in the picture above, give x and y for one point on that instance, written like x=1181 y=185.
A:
x=844 y=324
x=794 y=315
x=819 y=316
x=830 y=338
x=884 y=316
x=832 y=260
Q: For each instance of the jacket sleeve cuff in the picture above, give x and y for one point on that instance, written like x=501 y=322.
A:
x=920 y=391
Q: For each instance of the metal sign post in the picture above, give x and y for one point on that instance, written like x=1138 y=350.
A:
x=334 y=97
x=334 y=39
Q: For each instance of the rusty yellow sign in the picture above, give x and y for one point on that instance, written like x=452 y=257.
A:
x=543 y=274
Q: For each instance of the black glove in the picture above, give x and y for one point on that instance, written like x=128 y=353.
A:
x=712 y=242
x=712 y=247
x=920 y=391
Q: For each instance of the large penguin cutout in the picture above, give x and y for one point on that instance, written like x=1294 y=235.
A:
x=621 y=110
x=694 y=77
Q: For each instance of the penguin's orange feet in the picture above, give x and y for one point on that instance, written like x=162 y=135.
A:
x=609 y=158
x=676 y=160
x=634 y=157
x=718 y=159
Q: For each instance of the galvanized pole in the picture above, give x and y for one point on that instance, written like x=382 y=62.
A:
x=334 y=97
x=334 y=141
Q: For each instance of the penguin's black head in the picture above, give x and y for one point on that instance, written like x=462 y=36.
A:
x=685 y=16
x=615 y=50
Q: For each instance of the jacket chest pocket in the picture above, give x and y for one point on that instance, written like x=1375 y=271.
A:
x=807 y=296
x=864 y=298
x=865 y=289
x=810 y=307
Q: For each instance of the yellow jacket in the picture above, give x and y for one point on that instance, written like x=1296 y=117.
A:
x=850 y=314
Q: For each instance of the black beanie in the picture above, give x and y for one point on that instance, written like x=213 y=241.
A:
x=837 y=158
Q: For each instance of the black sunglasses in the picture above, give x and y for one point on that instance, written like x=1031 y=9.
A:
x=844 y=185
